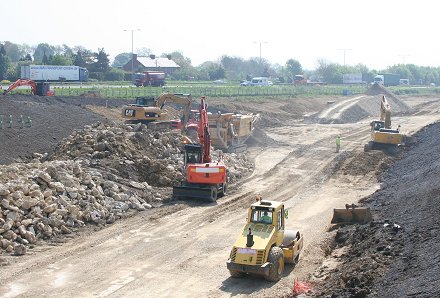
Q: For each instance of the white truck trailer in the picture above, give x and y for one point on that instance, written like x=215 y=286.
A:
x=54 y=73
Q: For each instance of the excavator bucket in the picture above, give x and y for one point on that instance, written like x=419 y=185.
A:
x=351 y=215
x=159 y=125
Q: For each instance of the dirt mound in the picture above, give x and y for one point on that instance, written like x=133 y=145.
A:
x=397 y=105
x=351 y=110
x=274 y=113
x=95 y=94
x=364 y=163
x=38 y=124
x=396 y=255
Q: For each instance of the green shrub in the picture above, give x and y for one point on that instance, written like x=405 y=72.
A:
x=114 y=75
x=96 y=75
x=128 y=76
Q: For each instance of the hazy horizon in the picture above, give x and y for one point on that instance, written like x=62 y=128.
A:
x=377 y=34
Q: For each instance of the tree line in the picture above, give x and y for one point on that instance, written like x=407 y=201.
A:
x=12 y=56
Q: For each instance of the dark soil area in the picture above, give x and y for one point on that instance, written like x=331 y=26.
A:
x=396 y=255
x=52 y=119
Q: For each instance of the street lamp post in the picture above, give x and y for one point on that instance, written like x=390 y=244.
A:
x=345 y=50
x=132 y=51
x=404 y=56
x=260 y=42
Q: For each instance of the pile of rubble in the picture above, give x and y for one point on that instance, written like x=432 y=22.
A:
x=95 y=176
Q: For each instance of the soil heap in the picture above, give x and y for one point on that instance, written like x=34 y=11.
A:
x=355 y=109
x=397 y=254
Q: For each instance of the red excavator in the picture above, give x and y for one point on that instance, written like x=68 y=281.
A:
x=204 y=178
x=40 y=88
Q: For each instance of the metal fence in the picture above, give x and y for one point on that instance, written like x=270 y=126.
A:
x=212 y=91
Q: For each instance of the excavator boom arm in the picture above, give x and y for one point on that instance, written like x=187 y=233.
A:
x=204 y=137
x=22 y=82
x=385 y=112
x=183 y=99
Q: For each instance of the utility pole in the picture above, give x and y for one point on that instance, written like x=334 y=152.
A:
x=132 y=51
x=345 y=50
x=260 y=42
x=404 y=56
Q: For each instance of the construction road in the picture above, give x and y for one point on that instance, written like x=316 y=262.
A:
x=180 y=250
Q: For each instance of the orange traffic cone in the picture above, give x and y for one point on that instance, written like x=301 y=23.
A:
x=300 y=288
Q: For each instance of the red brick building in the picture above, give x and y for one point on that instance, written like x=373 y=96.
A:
x=146 y=63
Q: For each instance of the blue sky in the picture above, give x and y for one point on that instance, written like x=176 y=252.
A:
x=375 y=33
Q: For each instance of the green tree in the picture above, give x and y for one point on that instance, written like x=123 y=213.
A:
x=400 y=69
x=43 y=49
x=28 y=57
x=12 y=51
x=59 y=59
x=186 y=70
x=293 y=68
x=78 y=60
x=180 y=60
x=330 y=72
x=121 y=59
x=233 y=66
x=45 y=60
x=4 y=63
x=67 y=51
x=114 y=74
x=102 y=61
x=214 y=70
x=25 y=50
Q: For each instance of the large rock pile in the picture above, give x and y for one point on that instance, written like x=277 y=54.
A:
x=95 y=176
x=42 y=200
x=131 y=152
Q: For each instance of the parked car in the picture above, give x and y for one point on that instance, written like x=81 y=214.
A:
x=260 y=81
x=245 y=83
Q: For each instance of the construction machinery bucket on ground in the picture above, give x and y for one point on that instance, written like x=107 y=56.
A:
x=351 y=214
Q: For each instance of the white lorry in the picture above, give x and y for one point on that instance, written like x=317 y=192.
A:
x=54 y=73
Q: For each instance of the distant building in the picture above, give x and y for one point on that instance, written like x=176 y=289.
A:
x=146 y=63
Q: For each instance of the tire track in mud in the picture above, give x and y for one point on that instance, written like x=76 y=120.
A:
x=336 y=110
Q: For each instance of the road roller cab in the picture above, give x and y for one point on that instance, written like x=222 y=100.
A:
x=264 y=246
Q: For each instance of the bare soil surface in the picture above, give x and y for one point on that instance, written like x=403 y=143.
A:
x=180 y=249
x=52 y=119
x=395 y=255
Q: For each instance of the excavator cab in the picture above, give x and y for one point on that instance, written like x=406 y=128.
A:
x=378 y=125
x=145 y=101
x=43 y=89
x=193 y=154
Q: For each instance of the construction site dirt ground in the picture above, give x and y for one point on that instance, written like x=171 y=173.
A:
x=180 y=249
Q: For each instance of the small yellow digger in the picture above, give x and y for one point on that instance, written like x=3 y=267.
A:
x=264 y=246
x=382 y=136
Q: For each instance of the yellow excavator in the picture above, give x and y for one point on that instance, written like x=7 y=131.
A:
x=151 y=111
x=382 y=135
